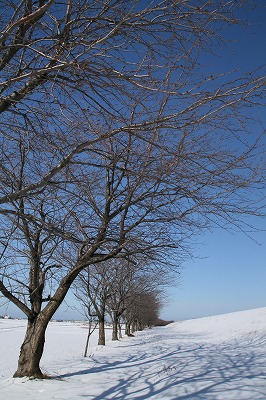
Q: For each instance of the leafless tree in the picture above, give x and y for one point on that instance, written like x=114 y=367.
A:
x=61 y=62
x=129 y=282
x=93 y=288
x=127 y=201
x=118 y=287
x=142 y=311
x=108 y=106
x=102 y=283
x=124 y=274
x=82 y=292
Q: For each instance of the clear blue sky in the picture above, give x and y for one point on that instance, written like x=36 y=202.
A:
x=232 y=277
x=231 y=273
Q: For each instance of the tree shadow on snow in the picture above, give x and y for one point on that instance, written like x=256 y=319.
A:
x=235 y=369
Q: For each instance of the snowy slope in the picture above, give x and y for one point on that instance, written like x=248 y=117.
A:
x=213 y=358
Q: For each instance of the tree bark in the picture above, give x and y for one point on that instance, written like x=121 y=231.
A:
x=32 y=349
x=101 y=340
x=115 y=326
x=128 y=328
x=120 y=330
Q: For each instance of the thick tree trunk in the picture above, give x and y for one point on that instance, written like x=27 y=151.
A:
x=115 y=326
x=101 y=340
x=32 y=349
x=127 y=328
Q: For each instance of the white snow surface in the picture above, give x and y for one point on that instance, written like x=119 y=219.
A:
x=212 y=358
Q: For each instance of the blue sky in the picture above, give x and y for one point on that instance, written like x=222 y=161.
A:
x=229 y=276
x=229 y=272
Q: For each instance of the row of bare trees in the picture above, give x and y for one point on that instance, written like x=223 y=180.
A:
x=116 y=143
x=126 y=293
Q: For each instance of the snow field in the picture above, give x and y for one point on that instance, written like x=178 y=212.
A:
x=213 y=358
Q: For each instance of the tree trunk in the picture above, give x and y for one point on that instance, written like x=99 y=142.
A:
x=128 y=329
x=120 y=330
x=101 y=340
x=134 y=326
x=87 y=341
x=115 y=326
x=32 y=349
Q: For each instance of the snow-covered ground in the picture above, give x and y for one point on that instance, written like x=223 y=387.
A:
x=213 y=358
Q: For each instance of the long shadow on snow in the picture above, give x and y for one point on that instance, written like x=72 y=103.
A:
x=193 y=371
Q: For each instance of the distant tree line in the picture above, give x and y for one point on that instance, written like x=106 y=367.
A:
x=127 y=294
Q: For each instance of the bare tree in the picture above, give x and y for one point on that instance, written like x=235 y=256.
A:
x=108 y=104
x=129 y=282
x=93 y=288
x=142 y=311
x=135 y=203
x=123 y=277
x=63 y=62
x=82 y=292
x=119 y=287
x=99 y=287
